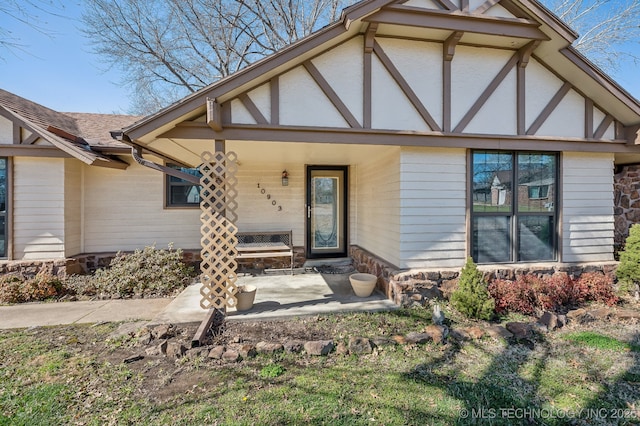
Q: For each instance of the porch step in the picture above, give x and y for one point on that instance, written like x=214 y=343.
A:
x=340 y=261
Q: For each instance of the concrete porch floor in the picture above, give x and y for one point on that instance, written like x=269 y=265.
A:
x=281 y=295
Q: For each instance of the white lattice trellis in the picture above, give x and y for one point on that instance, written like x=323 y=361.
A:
x=218 y=230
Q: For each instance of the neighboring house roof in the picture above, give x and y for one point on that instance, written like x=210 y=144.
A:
x=80 y=135
x=555 y=49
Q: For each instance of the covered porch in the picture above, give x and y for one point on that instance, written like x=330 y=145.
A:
x=280 y=295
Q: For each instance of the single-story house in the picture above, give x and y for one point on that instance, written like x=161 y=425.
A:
x=396 y=135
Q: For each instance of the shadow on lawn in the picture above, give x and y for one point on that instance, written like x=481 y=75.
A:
x=502 y=396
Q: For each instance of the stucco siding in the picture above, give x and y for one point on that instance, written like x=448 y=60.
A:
x=38 y=208
x=433 y=209
x=124 y=210
x=378 y=206
x=72 y=207
x=587 y=207
x=6 y=131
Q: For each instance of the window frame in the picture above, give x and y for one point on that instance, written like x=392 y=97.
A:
x=514 y=214
x=168 y=185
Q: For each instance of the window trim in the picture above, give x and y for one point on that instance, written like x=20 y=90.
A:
x=513 y=215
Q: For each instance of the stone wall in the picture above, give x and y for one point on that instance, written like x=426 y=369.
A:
x=626 y=202
x=403 y=287
x=90 y=262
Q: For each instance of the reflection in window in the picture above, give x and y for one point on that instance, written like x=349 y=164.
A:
x=181 y=193
x=513 y=214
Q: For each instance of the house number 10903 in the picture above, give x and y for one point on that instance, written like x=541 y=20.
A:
x=274 y=203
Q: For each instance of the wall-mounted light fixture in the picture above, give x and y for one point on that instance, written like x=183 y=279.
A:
x=285 y=178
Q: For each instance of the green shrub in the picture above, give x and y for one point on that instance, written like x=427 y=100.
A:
x=628 y=272
x=18 y=289
x=272 y=371
x=147 y=272
x=472 y=298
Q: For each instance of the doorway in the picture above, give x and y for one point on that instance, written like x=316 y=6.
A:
x=327 y=211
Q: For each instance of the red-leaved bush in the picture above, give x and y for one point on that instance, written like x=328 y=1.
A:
x=529 y=293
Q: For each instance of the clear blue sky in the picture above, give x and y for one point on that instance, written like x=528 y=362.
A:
x=60 y=71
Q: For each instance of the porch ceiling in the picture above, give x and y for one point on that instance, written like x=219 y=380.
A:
x=188 y=151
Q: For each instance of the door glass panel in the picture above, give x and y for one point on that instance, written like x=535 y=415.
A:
x=326 y=213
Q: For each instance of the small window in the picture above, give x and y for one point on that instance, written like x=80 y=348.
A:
x=181 y=193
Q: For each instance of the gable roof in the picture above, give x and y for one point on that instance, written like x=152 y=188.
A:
x=77 y=134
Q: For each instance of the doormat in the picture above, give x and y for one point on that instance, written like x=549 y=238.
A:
x=334 y=269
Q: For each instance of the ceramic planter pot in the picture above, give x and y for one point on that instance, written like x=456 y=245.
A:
x=363 y=284
x=246 y=297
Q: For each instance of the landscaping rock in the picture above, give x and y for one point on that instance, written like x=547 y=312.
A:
x=319 y=347
x=468 y=333
x=175 y=349
x=400 y=340
x=520 y=330
x=419 y=338
x=216 y=352
x=383 y=341
x=599 y=314
x=562 y=320
x=448 y=287
x=360 y=346
x=133 y=358
x=196 y=353
x=549 y=320
x=576 y=315
x=499 y=332
x=627 y=314
x=231 y=356
x=438 y=333
x=247 y=351
x=342 y=349
x=293 y=346
x=162 y=331
x=154 y=350
x=268 y=347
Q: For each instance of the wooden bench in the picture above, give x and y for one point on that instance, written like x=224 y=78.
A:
x=265 y=244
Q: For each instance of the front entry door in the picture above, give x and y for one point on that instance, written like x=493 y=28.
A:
x=327 y=215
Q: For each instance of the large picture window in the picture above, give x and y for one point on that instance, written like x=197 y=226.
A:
x=181 y=193
x=513 y=218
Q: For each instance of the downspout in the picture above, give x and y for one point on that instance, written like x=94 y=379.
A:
x=136 y=153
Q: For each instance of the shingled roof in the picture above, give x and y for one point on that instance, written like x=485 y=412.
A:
x=81 y=135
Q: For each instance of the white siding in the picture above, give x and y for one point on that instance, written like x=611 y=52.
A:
x=433 y=208
x=587 y=207
x=378 y=206
x=124 y=210
x=256 y=212
x=38 y=208
x=72 y=207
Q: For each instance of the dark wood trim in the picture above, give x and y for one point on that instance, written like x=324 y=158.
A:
x=16 y=133
x=455 y=21
x=370 y=36
x=485 y=6
x=9 y=208
x=521 y=98
x=163 y=157
x=469 y=202
x=367 y=88
x=631 y=134
x=252 y=108
x=449 y=45
x=405 y=87
x=214 y=114
x=226 y=112
x=602 y=128
x=446 y=96
x=497 y=80
x=397 y=138
x=32 y=151
x=547 y=110
x=331 y=94
x=220 y=145
x=464 y=6
x=274 y=87
x=446 y=4
x=525 y=53
x=588 y=118
x=31 y=139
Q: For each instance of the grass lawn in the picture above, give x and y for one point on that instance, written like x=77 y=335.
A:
x=75 y=375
